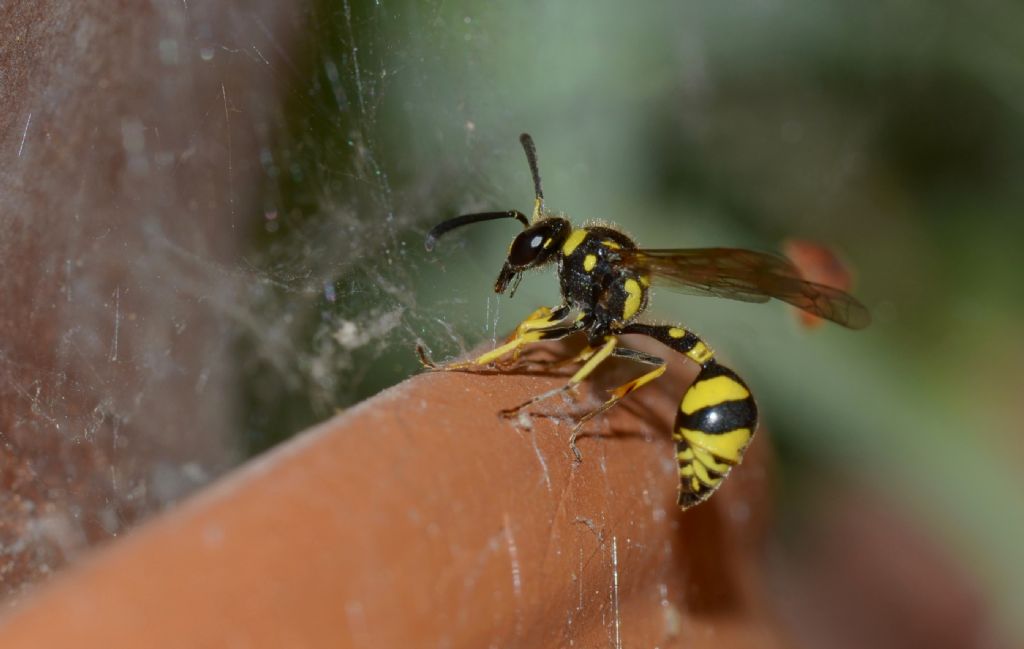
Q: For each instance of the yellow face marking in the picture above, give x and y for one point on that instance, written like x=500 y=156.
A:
x=700 y=353
x=676 y=332
x=589 y=262
x=574 y=240
x=633 y=296
x=608 y=243
x=711 y=393
x=727 y=446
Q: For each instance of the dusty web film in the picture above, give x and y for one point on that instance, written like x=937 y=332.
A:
x=207 y=251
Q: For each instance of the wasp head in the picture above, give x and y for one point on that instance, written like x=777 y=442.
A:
x=533 y=247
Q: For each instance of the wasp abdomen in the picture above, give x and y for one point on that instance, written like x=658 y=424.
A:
x=716 y=421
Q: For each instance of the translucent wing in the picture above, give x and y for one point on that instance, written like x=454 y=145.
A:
x=749 y=276
x=820 y=264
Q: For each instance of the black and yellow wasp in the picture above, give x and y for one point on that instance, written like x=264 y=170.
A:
x=605 y=280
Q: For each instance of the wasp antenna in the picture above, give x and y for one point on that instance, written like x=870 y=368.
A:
x=457 y=222
x=538 y=191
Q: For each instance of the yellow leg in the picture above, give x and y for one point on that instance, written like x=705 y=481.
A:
x=484 y=359
x=598 y=357
x=536 y=320
x=583 y=355
x=617 y=394
x=593 y=358
x=542 y=324
x=542 y=318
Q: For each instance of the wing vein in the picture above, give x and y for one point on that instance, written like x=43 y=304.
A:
x=748 y=276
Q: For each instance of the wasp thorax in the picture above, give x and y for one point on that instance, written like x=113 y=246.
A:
x=536 y=244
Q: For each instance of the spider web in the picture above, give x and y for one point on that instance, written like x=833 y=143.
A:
x=193 y=328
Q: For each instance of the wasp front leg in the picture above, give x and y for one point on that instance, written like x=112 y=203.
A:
x=542 y=324
x=543 y=319
x=716 y=420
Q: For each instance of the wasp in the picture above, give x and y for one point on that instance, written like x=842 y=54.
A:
x=605 y=281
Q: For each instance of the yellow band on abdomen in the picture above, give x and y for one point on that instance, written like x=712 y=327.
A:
x=712 y=392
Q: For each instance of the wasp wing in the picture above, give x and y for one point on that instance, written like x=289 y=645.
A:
x=748 y=276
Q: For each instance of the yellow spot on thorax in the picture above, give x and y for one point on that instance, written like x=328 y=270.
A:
x=634 y=295
x=711 y=393
x=589 y=262
x=574 y=240
x=676 y=332
x=608 y=243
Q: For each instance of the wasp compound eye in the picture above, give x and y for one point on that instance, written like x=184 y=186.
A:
x=538 y=243
x=526 y=248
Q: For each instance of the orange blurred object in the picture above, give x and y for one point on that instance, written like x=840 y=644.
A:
x=819 y=264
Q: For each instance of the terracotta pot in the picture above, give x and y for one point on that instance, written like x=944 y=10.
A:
x=421 y=518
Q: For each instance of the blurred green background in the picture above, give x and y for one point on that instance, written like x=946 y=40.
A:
x=893 y=132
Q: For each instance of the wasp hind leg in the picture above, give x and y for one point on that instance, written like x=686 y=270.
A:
x=619 y=392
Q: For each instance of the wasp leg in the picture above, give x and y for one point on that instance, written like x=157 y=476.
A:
x=621 y=391
x=543 y=324
x=541 y=319
x=583 y=355
x=592 y=356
